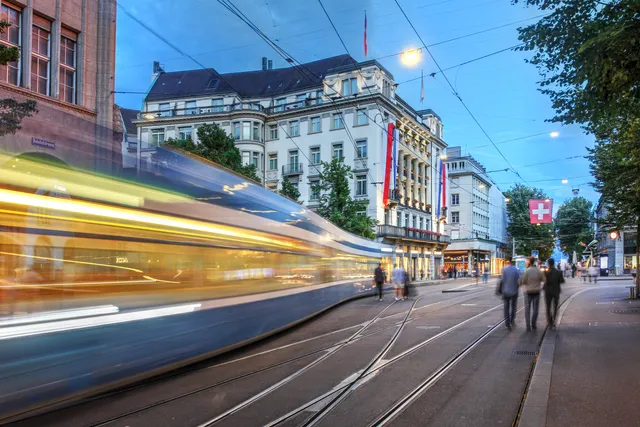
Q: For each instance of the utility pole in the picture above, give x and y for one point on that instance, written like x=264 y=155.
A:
x=513 y=252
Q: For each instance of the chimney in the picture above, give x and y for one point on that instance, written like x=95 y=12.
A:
x=264 y=63
x=270 y=65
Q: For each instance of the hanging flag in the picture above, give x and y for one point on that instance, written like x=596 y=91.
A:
x=366 y=48
x=444 y=183
x=540 y=211
x=422 y=86
x=388 y=165
x=439 y=191
x=394 y=160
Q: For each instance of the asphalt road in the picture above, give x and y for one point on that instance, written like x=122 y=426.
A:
x=349 y=367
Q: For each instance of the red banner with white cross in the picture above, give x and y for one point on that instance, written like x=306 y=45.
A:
x=540 y=211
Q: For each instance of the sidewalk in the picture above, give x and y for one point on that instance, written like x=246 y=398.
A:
x=586 y=373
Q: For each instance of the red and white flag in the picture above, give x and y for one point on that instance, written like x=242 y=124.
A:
x=540 y=211
x=366 y=48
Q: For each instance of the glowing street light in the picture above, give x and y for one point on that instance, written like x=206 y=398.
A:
x=507 y=200
x=411 y=57
x=554 y=134
x=613 y=235
x=443 y=156
x=149 y=116
x=565 y=181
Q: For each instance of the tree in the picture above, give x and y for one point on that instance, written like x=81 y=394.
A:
x=528 y=236
x=215 y=145
x=573 y=225
x=587 y=54
x=288 y=190
x=12 y=112
x=336 y=204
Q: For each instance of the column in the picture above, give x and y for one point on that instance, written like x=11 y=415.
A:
x=432 y=259
x=400 y=173
x=470 y=262
x=25 y=55
x=416 y=192
x=54 y=66
x=409 y=182
x=80 y=58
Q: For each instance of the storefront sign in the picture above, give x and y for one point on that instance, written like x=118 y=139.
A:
x=43 y=143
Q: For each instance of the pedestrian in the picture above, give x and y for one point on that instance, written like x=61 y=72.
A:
x=573 y=270
x=378 y=278
x=476 y=273
x=508 y=288
x=553 y=280
x=531 y=282
x=485 y=276
x=397 y=277
x=405 y=288
x=594 y=272
x=455 y=272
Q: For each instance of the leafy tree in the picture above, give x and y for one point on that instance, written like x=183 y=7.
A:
x=573 y=225
x=528 y=236
x=336 y=204
x=215 y=145
x=288 y=190
x=12 y=112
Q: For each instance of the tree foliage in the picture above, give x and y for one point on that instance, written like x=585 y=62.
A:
x=336 y=204
x=12 y=112
x=528 y=236
x=573 y=223
x=215 y=145
x=288 y=190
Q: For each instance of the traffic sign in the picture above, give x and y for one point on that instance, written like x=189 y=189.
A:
x=534 y=254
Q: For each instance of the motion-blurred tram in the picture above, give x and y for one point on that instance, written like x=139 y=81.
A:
x=184 y=230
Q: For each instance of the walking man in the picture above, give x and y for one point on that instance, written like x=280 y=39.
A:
x=594 y=272
x=553 y=280
x=397 y=277
x=508 y=287
x=531 y=282
x=378 y=278
x=573 y=270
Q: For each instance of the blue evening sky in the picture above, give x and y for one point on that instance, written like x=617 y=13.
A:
x=500 y=90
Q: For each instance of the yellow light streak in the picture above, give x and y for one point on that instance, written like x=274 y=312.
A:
x=71 y=261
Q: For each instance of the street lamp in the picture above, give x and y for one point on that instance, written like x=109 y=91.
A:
x=411 y=57
x=554 y=134
x=507 y=200
x=613 y=235
x=565 y=181
x=149 y=116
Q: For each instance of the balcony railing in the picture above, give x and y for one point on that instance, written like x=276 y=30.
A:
x=394 y=196
x=281 y=108
x=292 y=169
x=409 y=233
x=199 y=111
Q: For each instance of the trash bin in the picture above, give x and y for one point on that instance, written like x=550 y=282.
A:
x=604 y=272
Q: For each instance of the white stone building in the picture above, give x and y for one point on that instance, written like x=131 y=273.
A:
x=286 y=121
x=476 y=217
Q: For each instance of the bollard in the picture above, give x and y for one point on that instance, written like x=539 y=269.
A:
x=632 y=292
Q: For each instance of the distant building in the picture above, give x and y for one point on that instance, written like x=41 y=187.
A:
x=617 y=256
x=286 y=121
x=129 y=137
x=66 y=64
x=476 y=218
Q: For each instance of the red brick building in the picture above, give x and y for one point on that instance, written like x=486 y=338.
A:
x=67 y=65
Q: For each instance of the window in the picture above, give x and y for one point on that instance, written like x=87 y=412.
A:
x=256 y=131
x=301 y=100
x=349 y=87
x=185 y=132
x=246 y=130
x=236 y=131
x=420 y=224
x=294 y=128
x=218 y=105
x=337 y=151
x=273 y=132
x=246 y=157
x=255 y=156
x=386 y=89
x=190 y=107
x=280 y=104
x=361 y=185
x=315 y=125
x=338 y=122
x=165 y=109
x=314 y=191
x=294 y=185
x=361 y=146
x=40 y=57
x=455 y=199
x=157 y=136
x=315 y=155
x=10 y=37
x=455 y=217
x=293 y=160
x=319 y=97
x=273 y=161
x=361 y=118
x=67 y=84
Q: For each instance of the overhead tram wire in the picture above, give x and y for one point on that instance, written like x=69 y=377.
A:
x=457 y=94
x=152 y=31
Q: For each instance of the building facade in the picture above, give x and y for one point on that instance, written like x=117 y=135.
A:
x=616 y=254
x=287 y=121
x=67 y=65
x=476 y=217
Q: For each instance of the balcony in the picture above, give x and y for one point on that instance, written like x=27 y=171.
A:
x=314 y=170
x=394 y=197
x=407 y=233
x=292 y=169
x=199 y=111
x=296 y=105
x=360 y=164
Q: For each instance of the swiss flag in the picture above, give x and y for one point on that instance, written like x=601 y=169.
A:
x=540 y=211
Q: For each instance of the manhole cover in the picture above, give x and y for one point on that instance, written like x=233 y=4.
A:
x=525 y=353
x=628 y=311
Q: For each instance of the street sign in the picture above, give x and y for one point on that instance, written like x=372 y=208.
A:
x=534 y=254
x=540 y=211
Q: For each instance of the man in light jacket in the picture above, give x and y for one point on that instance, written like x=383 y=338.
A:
x=508 y=288
x=531 y=282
